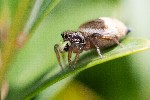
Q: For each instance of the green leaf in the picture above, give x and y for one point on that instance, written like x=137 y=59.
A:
x=0 y=6
x=41 y=8
x=15 y=29
x=13 y=4
x=90 y=59
x=44 y=10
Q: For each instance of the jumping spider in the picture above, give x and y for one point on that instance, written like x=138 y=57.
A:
x=99 y=33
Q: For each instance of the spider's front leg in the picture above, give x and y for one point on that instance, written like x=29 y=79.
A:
x=60 y=48
x=75 y=48
x=56 y=47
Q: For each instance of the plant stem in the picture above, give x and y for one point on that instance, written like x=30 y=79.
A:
x=9 y=47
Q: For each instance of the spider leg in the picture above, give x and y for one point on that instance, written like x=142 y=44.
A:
x=76 y=58
x=96 y=36
x=75 y=61
x=69 y=55
x=113 y=38
x=63 y=57
x=93 y=39
x=57 y=55
x=99 y=52
x=116 y=41
x=76 y=48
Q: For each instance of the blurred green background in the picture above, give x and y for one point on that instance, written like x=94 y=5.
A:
x=126 y=78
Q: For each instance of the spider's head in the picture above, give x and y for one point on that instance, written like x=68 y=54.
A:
x=70 y=39
x=73 y=37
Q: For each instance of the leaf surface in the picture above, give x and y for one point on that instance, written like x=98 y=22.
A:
x=90 y=59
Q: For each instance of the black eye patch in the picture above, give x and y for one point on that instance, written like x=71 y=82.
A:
x=62 y=35
x=77 y=39
x=66 y=36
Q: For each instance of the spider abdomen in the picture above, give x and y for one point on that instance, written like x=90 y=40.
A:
x=104 y=26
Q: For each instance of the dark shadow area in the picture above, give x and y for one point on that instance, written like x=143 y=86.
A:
x=113 y=80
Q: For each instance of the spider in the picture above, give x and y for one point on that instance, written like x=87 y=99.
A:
x=99 y=33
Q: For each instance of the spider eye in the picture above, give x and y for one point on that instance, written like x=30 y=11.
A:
x=66 y=36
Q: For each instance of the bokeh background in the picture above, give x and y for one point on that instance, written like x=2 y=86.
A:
x=126 y=78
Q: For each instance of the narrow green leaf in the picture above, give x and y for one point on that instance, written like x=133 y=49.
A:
x=0 y=6
x=16 y=27
x=90 y=59
x=13 y=5
x=45 y=9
